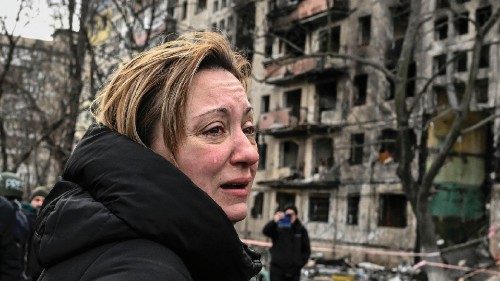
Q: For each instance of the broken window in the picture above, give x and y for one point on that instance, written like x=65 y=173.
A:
x=439 y=64
x=223 y=3
x=258 y=205
x=222 y=25
x=319 y=207
x=184 y=10
x=295 y=42
x=461 y=23
x=392 y=210
x=441 y=28
x=442 y=4
x=216 y=5
x=440 y=94
x=269 y=46
x=353 y=209
x=388 y=147
x=400 y=17
x=357 y=143
x=329 y=40
x=484 y=59
x=214 y=26
x=289 y=154
x=483 y=15
x=264 y=104
x=292 y=100
x=230 y=22
x=391 y=90
x=482 y=90
x=262 y=156
x=411 y=80
x=364 y=30
x=327 y=97
x=323 y=150
x=284 y=199
x=460 y=61
x=360 y=89
x=202 y=5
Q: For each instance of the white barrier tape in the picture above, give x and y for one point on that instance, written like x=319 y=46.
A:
x=350 y=248
x=455 y=267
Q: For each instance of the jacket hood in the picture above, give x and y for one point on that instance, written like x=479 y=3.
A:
x=115 y=189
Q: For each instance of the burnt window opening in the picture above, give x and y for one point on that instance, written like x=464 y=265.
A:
x=394 y=52
x=289 y=154
x=440 y=4
x=388 y=152
x=284 y=199
x=292 y=100
x=170 y=11
x=319 y=207
x=222 y=25
x=327 y=97
x=400 y=18
x=461 y=61
x=201 y=5
x=481 y=90
x=184 y=10
x=439 y=64
x=329 y=40
x=264 y=104
x=357 y=143
x=461 y=23
x=441 y=28
x=360 y=89
x=353 y=209
x=230 y=22
x=323 y=151
x=483 y=15
x=411 y=80
x=365 y=30
x=262 y=156
x=484 y=58
x=258 y=205
x=440 y=94
x=295 y=43
x=392 y=210
x=391 y=90
x=216 y=5
x=214 y=26
x=268 y=52
x=459 y=90
x=223 y=3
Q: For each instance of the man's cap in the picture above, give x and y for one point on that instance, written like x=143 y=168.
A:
x=291 y=207
x=11 y=185
x=39 y=191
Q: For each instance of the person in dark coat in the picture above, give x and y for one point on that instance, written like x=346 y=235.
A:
x=152 y=190
x=10 y=260
x=291 y=248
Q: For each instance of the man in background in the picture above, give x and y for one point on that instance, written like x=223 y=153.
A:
x=291 y=248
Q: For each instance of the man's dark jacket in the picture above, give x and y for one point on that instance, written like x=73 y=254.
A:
x=123 y=212
x=291 y=248
x=10 y=252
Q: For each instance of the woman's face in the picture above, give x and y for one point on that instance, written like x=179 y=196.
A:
x=219 y=153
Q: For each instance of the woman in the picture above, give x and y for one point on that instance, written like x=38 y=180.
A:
x=152 y=192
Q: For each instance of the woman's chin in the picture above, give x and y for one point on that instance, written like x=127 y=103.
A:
x=237 y=212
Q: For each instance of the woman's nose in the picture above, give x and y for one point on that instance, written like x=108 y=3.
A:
x=244 y=150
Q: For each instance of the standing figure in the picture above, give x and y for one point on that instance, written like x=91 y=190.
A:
x=291 y=248
x=153 y=189
x=10 y=259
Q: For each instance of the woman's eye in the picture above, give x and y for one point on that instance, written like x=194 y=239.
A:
x=214 y=131
x=249 y=130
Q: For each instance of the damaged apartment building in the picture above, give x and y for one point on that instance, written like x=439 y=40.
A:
x=327 y=125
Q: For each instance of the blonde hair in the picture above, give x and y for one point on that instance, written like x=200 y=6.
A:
x=153 y=86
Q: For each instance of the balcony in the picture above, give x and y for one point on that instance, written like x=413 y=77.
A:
x=289 y=70
x=281 y=123
x=328 y=178
x=284 y=14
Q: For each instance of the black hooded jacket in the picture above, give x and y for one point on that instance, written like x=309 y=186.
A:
x=123 y=212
